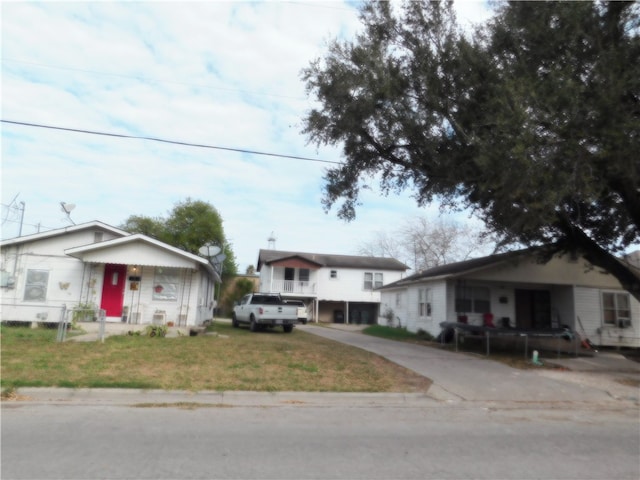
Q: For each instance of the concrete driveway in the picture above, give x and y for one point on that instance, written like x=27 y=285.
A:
x=467 y=377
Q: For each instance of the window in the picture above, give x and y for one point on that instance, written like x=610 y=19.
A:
x=398 y=299
x=473 y=299
x=165 y=284
x=333 y=274
x=35 y=289
x=424 y=302
x=372 y=280
x=616 y=310
x=304 y=274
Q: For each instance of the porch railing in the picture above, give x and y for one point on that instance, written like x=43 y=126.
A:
x=293 y=286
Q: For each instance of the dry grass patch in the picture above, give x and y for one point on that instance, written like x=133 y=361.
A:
x=265 y=361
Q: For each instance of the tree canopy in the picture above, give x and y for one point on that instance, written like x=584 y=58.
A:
x=190 y=225
x=532 y=122
x=423 y=243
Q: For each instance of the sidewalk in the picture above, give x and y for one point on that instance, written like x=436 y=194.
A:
x=92 y=330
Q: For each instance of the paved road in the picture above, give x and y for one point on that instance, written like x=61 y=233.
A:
x=465 y=377
x=479 y=420
x=80 y=440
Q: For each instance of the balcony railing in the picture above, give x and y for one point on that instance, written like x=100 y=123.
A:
x=293 y=286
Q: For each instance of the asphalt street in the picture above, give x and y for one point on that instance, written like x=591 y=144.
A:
x=480 y=419
x=79 y=440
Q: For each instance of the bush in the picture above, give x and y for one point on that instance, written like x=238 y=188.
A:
x=156 y=330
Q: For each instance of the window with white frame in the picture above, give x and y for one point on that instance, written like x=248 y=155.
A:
x=424 y=302
x=165 y=284
x=35 y=288
x=398 y=299
x=473 y=299
x=372 y=280
x=616 y=309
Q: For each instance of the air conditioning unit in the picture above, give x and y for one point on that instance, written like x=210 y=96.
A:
x=159 y=318
x=624 y=322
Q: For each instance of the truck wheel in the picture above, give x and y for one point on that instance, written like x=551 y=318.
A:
x=234 y=321
x=253 y=326
x=287 y=328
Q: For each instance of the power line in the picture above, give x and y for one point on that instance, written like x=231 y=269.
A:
x=173 y=142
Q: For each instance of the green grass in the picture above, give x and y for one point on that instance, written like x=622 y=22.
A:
x=265 y=361
x=396 y=333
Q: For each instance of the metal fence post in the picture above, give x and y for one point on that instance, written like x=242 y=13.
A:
x=62 y=324
x=102 y=314
x=488 y=341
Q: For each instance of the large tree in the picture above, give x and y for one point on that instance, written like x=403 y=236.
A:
x=533 y=122
x=425 y=243
x=190 y=225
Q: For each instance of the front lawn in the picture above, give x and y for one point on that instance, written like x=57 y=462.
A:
x=236 y=359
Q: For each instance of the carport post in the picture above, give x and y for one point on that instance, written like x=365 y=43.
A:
x=525 y=345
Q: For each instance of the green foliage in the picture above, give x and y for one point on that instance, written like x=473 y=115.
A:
x=241 y=287
x=392 y=333
x=156 y=330
x=189 y=225
x=532 y=124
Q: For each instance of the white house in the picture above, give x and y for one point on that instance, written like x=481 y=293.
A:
x=335 y=288
x=133 y=278
x=514 y=290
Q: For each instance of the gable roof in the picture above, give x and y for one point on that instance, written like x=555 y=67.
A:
x=456 y=269
x=95 y=249
x=266 y=257
x=62 y=231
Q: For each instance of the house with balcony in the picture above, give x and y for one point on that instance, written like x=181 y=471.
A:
x=335 y=288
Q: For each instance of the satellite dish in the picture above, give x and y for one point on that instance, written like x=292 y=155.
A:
x=209 y=250
x=67 y=207
x=219 y=258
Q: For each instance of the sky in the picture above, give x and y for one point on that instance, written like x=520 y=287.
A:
x=221 y=74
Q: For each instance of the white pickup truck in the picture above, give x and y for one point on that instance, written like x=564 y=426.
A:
x=259 y=310
x=302 y=310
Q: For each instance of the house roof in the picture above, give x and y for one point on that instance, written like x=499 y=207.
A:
x=266 y=257
x=62 y=231
x=95 y=249
x=456 y=269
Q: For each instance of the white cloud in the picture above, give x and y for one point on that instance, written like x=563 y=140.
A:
x=216 y=73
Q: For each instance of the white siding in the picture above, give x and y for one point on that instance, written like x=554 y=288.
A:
x=70 y=281
x=588 y=302
x=347 y=287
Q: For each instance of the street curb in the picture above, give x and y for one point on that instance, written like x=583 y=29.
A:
x=114 y=396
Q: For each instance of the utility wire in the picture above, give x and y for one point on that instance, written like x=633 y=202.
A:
x=173 y=142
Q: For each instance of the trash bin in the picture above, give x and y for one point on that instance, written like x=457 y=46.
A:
x=338 y=316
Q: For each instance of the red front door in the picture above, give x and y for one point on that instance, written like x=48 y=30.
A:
x=113 y=289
